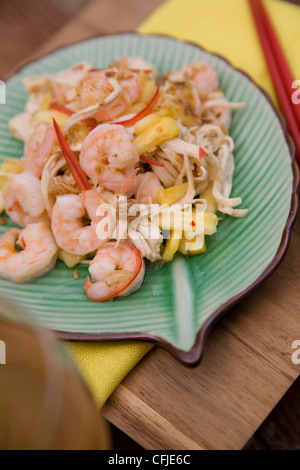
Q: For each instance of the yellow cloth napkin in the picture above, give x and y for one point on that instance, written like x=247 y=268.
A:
x=104 y=365
x=227 y=28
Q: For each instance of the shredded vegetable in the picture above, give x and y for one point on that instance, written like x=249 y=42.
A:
x=120 y=166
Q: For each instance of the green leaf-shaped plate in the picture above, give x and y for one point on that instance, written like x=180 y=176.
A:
x=178 y=303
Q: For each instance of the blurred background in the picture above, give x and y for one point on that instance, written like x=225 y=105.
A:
x=23 y=30
x=44 y=404
x=26 y=33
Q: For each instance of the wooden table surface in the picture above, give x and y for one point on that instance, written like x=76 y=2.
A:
x=247 y=366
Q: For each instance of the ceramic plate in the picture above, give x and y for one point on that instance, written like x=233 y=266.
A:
x=178 y=303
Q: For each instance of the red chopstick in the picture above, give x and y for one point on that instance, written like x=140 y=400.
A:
x=284 y=67
x=281 y=76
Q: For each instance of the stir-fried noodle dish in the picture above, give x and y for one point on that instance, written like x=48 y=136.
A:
x=121 y=168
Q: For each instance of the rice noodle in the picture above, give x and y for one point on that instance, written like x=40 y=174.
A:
x=189 y=106
x=218 y=166
x=54 y=165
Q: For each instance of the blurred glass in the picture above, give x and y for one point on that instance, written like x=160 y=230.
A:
x=44 y=404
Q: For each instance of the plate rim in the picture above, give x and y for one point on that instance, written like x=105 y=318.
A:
x=194 y=355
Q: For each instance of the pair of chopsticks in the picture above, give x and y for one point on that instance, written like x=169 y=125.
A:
x=280 y=72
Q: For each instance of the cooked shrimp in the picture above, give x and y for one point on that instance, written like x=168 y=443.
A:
x=110 y=143
x=23 y=199
x=139 y=64
x=117 y=271
x=96 y=87
x=202 y=74
x=93 y=190
x=120 y=182
x=64 y=84
x=68 y=224
x=108 y=157
x=37 y=257
x=91 y=200
x=146 y=187
x=39 y=149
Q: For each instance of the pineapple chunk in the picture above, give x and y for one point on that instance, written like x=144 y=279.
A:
x=143 y=78
x=3 y=180
x=11 y=165
x=69 y=259
x=152 y=119
x=192 y=247
x=197 y=246
x=161 y=131
x=210 y=223
x=147 y=121
x=47 y=116
x=47 y=100
x=183 y=247
x=135 y=108
x=172 y=194
x=147 y=92
x=206 y=223
x=210 y=200
x=171 y=247
x=2 y=208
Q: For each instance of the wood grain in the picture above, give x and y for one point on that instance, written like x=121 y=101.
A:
x=101 y=17
x=281 y=430
x=23 y=30
x=247 y=366
x=246 y=370
x=150 y=424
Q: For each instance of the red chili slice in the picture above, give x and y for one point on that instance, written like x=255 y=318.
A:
x=149 y=108
x=89 y=121
x=60 y=108
x=151 y=162
x=95 y=70
x=71 y=159
x=140 y=70
x=202 y=153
